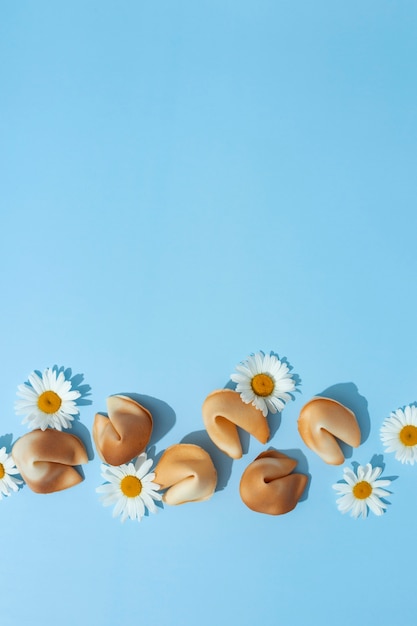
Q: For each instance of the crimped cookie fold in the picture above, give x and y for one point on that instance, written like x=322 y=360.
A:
x=267 y=485
x=125 y=433
x=45 y=459
x=188 y=472
x=223 y=411
x=321 y=420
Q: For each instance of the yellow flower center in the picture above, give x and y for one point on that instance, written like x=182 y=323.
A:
x=2 y=471
x=262 y=385
x=131 y=486
x=49 y=402
x=362 y=490
x=408 y=435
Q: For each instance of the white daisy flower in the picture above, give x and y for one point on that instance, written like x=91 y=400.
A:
x=362 y=491
x=130 y=488
x=264 y=381
x=8 y=482
x=47 y=401
x=399 y=434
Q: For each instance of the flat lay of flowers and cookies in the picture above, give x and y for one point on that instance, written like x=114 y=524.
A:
x=209 y=398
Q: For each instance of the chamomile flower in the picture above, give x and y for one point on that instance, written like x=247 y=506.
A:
x=399 y=434
x=264 y=381
x=8 y=482
x=47 y=401
x=362 y=491
x=130 y=488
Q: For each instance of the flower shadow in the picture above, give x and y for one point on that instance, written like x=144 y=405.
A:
x=348 y=395
x=295 y=377
x=376 y=461
x=221 y=461
x=76 y=381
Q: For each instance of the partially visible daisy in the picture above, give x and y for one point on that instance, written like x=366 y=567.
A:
x=264 y=381
x=130 y=488
x=362 y=491
x=399 y=434
x=47 y=401
x=8 y=482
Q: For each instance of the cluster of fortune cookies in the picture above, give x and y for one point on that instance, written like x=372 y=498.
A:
x=47 y=457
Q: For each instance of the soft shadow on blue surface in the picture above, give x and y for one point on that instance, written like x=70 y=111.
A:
x=221 y=461
x=82 y=432
x=163 y=414
x=76 y=381
x=348 y=395
x=378 y=461
x=274 y=421
x=6 y=442
x=296 y=377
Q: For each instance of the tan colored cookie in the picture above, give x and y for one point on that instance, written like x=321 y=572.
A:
x=45 y=459
x=321 y=421
x=125 y=433
x=223 y=411
x=267 y=485
x=188 y=473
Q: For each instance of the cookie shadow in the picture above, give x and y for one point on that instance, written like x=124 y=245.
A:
x=77 y=384
x=82 y=432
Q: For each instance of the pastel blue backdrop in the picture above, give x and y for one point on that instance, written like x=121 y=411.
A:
x=184 y=183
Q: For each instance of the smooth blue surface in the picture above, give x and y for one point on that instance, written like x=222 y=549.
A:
x=184 y=183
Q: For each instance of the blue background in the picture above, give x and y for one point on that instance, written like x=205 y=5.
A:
x=184 y=183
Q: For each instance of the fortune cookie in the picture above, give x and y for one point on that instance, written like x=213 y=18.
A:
x=125 y=433
x=267 y=485
x=46 y=460
x=321 y=420
x=188 y=472
x=223 y=411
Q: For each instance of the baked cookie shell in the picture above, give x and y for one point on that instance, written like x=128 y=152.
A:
x=46 y=460
x=321 y=422
x=187 y=472
x=268 y=486
x=125 y=433
x=224 y=411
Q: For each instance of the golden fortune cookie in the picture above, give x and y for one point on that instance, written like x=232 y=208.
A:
x=46 y=460
x=321 y=422
x=268 y=486
x=224 y=411
x=125 y=433
x=188 y=474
